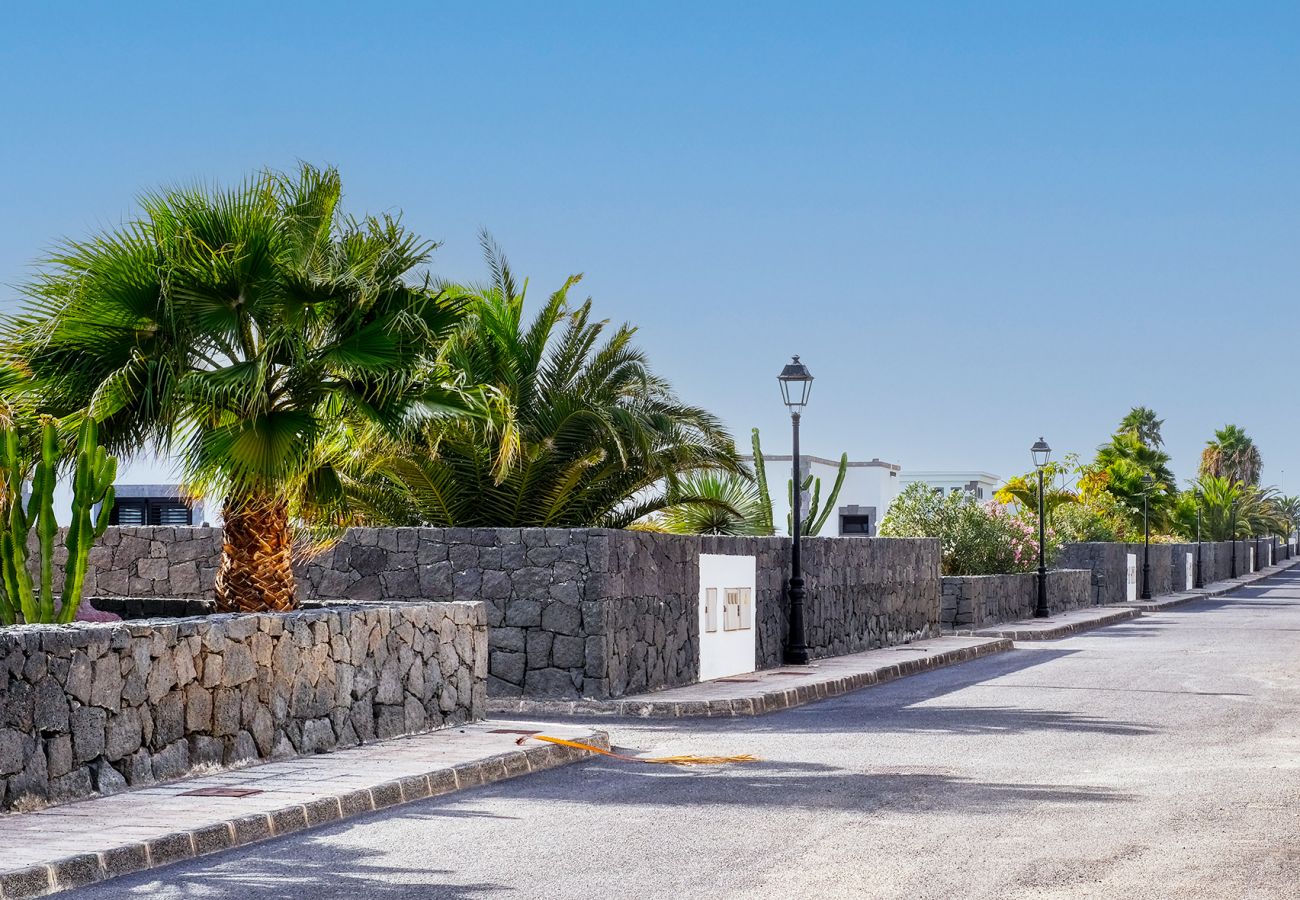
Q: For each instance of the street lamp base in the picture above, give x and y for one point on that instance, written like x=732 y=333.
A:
x=797 y=656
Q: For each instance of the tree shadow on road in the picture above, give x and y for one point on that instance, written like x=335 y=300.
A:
x=906 y=705
x=278 y=870
x=919 y=789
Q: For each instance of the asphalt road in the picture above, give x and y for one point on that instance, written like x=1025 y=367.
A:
x=1158 y=758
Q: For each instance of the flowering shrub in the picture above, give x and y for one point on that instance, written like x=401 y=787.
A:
x=1022 y=535
x=975 y=538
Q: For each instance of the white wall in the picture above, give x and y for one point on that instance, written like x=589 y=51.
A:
x=727 y=644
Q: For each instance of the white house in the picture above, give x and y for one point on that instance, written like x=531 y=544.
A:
x=869 y=487
x=148 y=493
x=980 y=484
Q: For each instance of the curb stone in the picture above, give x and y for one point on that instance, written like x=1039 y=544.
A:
x=760 y=703
x=86 y=869
x=1064 y=629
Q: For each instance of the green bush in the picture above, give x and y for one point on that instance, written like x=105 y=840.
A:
x=1096 y=519
x=975 y=538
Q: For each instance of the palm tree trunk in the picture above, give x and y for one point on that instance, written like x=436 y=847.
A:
x=256 y=572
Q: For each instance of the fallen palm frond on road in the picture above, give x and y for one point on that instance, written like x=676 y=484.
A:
x=658 y=760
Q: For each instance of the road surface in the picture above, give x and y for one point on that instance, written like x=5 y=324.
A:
x=1158 y=758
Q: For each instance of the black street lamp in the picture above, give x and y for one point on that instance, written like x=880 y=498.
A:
x=1199 y=580
x=1147 y=481
x=1041 y=453
x=796 y=384
x=1232 y=534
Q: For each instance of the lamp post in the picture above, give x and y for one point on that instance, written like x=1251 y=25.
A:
x=1147 y=481
x=1041 y=453
x=796 y=384
x=1232 y=534
x=1199 y=580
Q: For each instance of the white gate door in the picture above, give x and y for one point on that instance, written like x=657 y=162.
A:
x=727 y=588
x=1191 y=570
x=1132 y=577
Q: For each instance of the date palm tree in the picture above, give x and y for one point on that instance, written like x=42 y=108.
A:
x=578 y=430
x=244 y=330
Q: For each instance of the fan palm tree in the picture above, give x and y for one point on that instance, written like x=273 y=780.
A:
x=244 y=329
x=1232 y=454
x=578 y=431
x=736 y=507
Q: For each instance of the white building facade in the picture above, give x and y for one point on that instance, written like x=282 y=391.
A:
x=980 y=485
x=869 y=487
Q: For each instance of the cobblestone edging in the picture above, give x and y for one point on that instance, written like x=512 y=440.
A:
x=89 y=868
x=94 y=708
x=757 y=704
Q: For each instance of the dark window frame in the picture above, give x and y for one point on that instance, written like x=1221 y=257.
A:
x=856 y=524
x=152 y=511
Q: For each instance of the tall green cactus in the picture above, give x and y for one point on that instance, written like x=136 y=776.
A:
x=93 y=473
x=811 y=523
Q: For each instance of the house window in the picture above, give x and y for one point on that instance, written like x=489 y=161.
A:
x=855 y=525
x=150 y=511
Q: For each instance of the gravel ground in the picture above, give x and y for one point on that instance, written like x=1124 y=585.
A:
x=1156 y=758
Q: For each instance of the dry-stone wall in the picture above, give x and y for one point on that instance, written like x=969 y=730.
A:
x=94 y=708
x=1109 y=564
x=152 y=562
x=576 y=612
x=861 y=593
x=974 y=601
x=607 y=613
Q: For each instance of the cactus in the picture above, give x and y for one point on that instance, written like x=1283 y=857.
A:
x=764 y=526
x=812 y=523
x=92 y=484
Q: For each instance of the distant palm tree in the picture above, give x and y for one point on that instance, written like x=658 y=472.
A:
x=1232 y=454
x=1142 y=421
x=1288 y=509
x=577 y=430
x=244 y=328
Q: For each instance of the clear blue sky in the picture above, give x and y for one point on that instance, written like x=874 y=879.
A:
x=977 y=222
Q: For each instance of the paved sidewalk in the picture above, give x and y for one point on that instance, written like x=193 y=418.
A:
x=1213 y=589
x=80 y=843
x=769 y=690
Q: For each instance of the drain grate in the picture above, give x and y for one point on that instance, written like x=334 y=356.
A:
x=737 y=680
x=512 y=731
x=221 y=792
